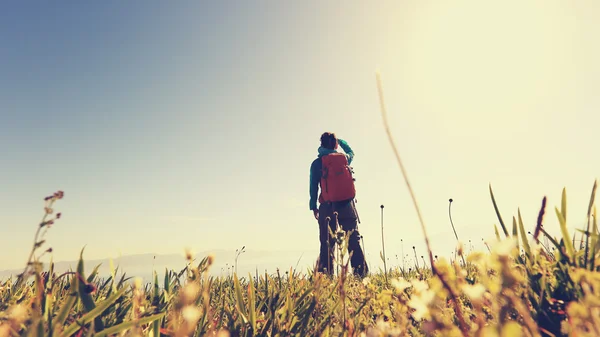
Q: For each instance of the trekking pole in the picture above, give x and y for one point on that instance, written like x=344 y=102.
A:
x=362 y=238
x=328 y=248
x=355 y=210
x=383 y=246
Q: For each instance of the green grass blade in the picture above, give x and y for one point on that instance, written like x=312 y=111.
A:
x=496 y=232
x=93 y=274
x=498 y=212
x=94 y=313
x=515 y=233
x=589 y=213
x=594 y=241
x=113 y=274
x=240 y=306
x=563 y=228
x=251 y=304
x=563 y=204
x=48 y=306
x=155 y=300
x=523 y=236
x=68 y=303
x=128 y=325
x=36 y=329
x=84 y=295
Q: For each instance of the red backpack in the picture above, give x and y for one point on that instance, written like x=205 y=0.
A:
x=337 y=183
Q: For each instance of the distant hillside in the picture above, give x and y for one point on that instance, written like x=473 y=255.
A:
x=143 y=265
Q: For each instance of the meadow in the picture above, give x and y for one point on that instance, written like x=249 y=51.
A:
x=519 y=287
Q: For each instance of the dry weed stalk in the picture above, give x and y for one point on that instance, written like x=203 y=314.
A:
x=463 y=326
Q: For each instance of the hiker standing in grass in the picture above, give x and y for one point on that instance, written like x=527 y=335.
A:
x=332 y=173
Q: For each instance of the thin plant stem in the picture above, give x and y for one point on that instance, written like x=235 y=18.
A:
x=383 y=246
x=450 y=216
x=463 y=325
x=402 y=247
x=454 y=229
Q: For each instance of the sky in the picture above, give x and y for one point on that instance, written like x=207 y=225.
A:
x=194 y=124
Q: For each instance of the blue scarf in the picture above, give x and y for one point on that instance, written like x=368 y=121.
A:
x=323 y=151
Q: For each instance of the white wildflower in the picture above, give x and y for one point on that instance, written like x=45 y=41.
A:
x=474 y=292
x=479 y=259
x=191 y=314
x=382 y=325
x=366 y=280
x=18 y=313
x=400 y=284
x=505 y=247
x=419 y=286
x=421 y=304
x=535 y=249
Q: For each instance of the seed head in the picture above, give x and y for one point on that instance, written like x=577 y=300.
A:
x=191 y=314
x=190 y=292
x=504 y=248
x=400 y=284
x=189 y=254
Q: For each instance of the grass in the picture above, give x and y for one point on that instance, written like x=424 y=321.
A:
x=518 y=288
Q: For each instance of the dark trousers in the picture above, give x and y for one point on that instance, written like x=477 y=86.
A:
x=348 y=221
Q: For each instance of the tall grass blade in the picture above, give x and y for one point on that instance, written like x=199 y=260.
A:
x=251 y=304
x=595 y=240
x=94 y=313
x=589 y=213
x=498 y=211
x=563 y=203
x=563 y=228
x=239 y=305
x=84 y=295
x=113 y=274
x=496 y=232
x=515 y=233
x=128 y=325
x=155 y=300
x=68 y=304
x=523 y=236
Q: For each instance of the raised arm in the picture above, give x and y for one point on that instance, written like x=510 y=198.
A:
x=347 y=149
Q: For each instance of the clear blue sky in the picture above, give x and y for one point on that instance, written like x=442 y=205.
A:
x=193 y=124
